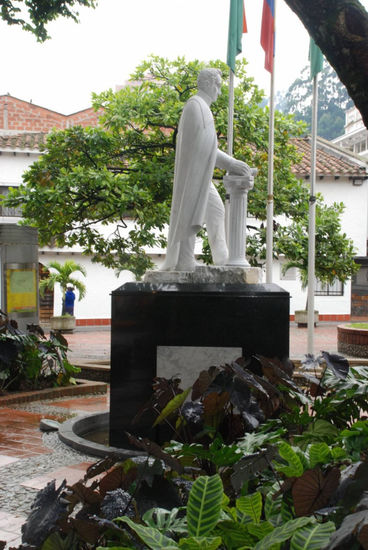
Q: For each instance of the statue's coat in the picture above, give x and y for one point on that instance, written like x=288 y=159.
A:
x=196 y=152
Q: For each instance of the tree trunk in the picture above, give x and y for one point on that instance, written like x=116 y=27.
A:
x=340 y=29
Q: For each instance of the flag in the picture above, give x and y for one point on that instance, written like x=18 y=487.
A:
x=237 y=26
x=315 y=58
x=268 y=33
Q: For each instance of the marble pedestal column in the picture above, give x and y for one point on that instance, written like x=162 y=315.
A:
x=237 y=187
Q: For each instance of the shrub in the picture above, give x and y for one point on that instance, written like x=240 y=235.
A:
x=275 y=483
x=29 y=360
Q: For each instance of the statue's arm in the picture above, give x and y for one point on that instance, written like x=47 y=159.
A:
x=233 y=166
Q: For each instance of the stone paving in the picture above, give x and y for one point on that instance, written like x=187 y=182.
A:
x=89 y=345
x=94 y=345
x=325 y=339
x=30 y=459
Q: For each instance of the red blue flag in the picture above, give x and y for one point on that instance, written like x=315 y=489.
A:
x=268 y=33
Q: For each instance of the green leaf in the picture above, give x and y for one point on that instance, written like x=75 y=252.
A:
x=253 y=441
x=319 y=453
x=303 y=458
x=251 y=505
x=172 y=406
x=165 y=520
x=312 y=537
x=260 y=530
x=55 y=542
x=204 y=505
x=295 y=466
x=150 y=536
x=236 y=534
x=200 y=543
x=224 y=455
x=282 y=533
x=272 y=508
x=322 y=428
x=338 y=453
x=225 y=500
x=286 y=511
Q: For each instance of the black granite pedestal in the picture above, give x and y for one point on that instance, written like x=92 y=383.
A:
x=144 y=316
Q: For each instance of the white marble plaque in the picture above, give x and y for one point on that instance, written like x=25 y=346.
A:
x=186 y=362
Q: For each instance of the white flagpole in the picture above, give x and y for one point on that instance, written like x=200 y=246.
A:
x=230 y=115
x=312 y=220
x=230 y=142
x=269 y=229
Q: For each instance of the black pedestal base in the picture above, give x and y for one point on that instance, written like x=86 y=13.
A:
x=254 y=318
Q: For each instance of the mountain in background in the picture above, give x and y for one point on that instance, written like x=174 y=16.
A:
x=333 y=101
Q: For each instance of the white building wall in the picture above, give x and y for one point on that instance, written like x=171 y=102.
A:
x=354 y=223
x=100 y=282
x=13 y=166
x=354 y=220
x=355 y=137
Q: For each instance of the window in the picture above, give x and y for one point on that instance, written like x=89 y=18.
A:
x=360 y=146
x=4 y=210
x=322 y=289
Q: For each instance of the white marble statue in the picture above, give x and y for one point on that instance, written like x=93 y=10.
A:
x=195 y=199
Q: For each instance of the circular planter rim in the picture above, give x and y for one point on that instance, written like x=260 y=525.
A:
x=353 y=329
x=71 y=433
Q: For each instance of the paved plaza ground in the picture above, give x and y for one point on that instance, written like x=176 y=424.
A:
x=30 y=458
x=93 y=345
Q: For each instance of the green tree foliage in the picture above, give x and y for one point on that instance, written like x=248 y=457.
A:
x=39 y=13
x=335 y=255
x=89 y=180
x=333 y=100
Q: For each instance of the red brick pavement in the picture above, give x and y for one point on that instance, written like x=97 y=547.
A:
x=325 y=339
x=19 y=434
x=90 y=404
x=20 y=437
x=89 y=345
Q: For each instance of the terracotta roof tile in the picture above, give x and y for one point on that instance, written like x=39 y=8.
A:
x=330 y=161
x=22 y=141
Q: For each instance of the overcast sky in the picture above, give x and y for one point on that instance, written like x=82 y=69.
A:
x=104 y=48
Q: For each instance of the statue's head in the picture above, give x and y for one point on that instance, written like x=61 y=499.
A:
x=209 y=81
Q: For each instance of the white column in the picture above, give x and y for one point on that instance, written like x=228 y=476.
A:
x=237 y=187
